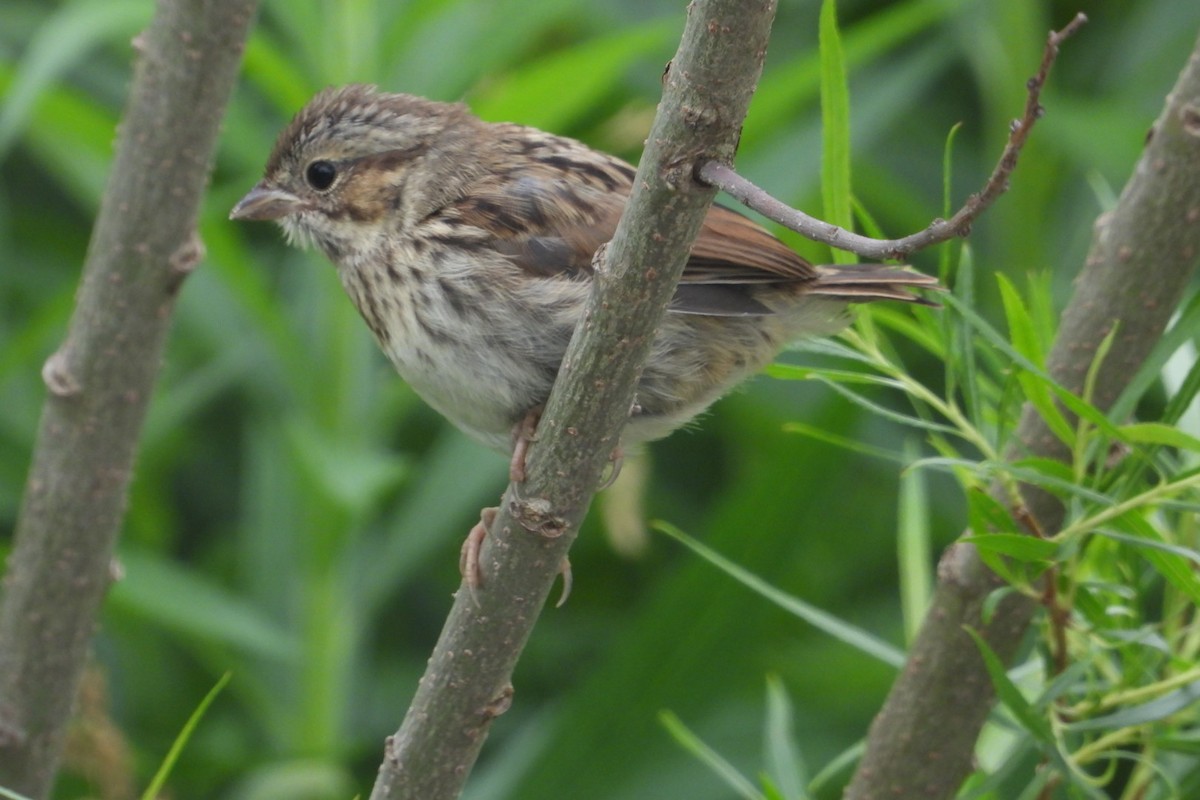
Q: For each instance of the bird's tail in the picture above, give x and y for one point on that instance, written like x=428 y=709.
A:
x=862 y=283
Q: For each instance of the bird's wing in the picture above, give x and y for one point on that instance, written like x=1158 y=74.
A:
x=551 y=202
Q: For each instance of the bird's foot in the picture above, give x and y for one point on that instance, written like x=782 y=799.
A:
x=524 y=434
x=472 y=546
x=468 y=557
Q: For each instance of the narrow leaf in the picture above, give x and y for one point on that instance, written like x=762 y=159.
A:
x=845 y=442
x=837 y=772
x=1024 y=339
x=1157 y=709
x=1150 y=372
x=1144 y=541
x=783 y=761
x=1010 y=695
x=1020 y=325
x=1158 y=433
x=986 y=515
x=913 y=547
x=835 y=122
x=1170 y=561
x=164 y=770
x=885 y=412
x=1184 y=395
x=723 y=769
x=839 y=629
x=1015 y=545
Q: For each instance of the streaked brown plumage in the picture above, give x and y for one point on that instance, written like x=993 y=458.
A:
x=467 y=247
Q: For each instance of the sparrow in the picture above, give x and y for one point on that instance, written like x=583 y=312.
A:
x=467 y=248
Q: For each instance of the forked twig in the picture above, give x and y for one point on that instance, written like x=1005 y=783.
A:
x=723 y=177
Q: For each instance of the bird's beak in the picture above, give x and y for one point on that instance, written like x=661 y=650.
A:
x=265 y=203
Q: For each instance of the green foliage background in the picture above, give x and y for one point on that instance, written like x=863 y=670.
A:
x=297 y=512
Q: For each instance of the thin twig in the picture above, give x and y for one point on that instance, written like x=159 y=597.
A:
x=725 y=178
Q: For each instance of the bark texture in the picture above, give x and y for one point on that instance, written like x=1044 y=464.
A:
x=143 y=246
x=706 y=93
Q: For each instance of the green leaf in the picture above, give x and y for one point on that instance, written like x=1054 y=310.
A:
x=839 y=629
x=947 y=194
x=997 y=564
x=1037 y=389
x=770 y=790
x=1170 y=561
x=831 y=348
x=986 y=515
x=1102 y=350
x=784 y=764
x=298 y=777
x=272 y=68
x=962 y=372
x=1181 y=742
x=884 y=412
x=1153 y=711
x=1008 y=693
x=1015 y=545
x=1150 y=372
x=800 y=372
x=71 y=136
x=994 y=598
x=164 y=770
x=1055 y=477
x=1051 y=469
x=845 y=442
x=1085 y=411
x=180 y=600
x=1020 y=325
x=835 y=125
x=1148 y=537
x=914 y=551
x=1158 y=433
x=354 y=476
x=578 y=78
x=1040 y=475
x=917 y=331
x=795 y=84
x=64 y=41
x=723 y=769
x=1183 y=397
x=837 y=773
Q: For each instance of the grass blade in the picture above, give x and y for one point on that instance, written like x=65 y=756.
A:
x=694 y=745
x=164 y=770
x=784 y=764
x=838 y=629
x=835 y=124
x=913 y=548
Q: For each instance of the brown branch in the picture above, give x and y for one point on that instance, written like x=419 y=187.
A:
x=143 y=245
x=723 y=176
x=1142 y=258
x=468 y=680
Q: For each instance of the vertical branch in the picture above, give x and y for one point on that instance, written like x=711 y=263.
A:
x=706 y=94
x=143 y=246
x=1143 y=255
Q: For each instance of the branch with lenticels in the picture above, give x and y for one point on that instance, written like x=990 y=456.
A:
x=722 y=176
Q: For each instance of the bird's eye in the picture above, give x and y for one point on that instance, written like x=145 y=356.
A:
x=320 y=175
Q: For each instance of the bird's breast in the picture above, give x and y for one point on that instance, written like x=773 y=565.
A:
x=479 y=348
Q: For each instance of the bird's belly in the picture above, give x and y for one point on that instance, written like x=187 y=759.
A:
x=483 y=368
x=481 y=391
